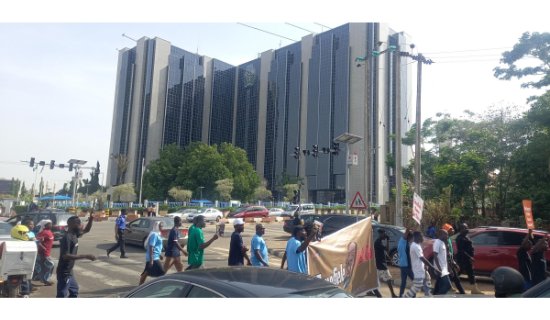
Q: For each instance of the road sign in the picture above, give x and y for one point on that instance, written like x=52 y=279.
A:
x=353 y=159
x=418 y=206
x=528 y=212
x=358 y=202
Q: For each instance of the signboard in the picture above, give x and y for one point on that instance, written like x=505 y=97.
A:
x=346 y=258
x=418 y=206
x=528 y=212
x=358 y=202
x=353 y=159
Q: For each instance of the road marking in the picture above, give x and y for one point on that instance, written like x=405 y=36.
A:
x=102 y=278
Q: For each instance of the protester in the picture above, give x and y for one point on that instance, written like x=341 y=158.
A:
x=380 y=253
x=430 y=232
x=26 y=285
x=44 y=264
x=196 y=244
x=260 y=256
x=153 y=267
x=540 y=272
x=465 y=257
x=68 y=254
x=418 y=263
x=173 y=248
x=454 y=269
x=120 y=226
x=237 y=249
x=295 y=251
x=404 y=263
x=524 y=260
x=443 y=283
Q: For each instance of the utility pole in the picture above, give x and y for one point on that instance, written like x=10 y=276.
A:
x=398 y=165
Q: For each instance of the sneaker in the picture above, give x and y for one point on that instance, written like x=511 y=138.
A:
x=123 y=257
x=108 y=253
x=48 y=283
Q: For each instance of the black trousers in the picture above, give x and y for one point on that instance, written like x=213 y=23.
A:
x=120 y=243
x=467 y=268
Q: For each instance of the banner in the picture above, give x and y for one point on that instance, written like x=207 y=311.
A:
x=528 y=212
x=418 y=206
x=346 y=258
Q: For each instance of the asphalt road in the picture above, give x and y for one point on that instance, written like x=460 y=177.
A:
x=109 y=277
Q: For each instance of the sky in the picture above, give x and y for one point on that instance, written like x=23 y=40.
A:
x=58 y=67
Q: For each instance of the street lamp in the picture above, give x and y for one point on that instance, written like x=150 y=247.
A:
x=347 y=139
x=77 y=174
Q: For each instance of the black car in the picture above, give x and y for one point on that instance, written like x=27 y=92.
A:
x=238 y=282
x=58 y=217
x=335 y=222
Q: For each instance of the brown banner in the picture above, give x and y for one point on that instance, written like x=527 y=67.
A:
x=528 y=212
x=346 y=258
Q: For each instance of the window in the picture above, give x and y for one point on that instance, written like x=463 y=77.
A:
x=162 y=289
x=198 y=292
x=486 y=239
x=512 y=238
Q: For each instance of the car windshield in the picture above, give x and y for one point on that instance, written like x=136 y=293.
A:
x=5 y=229
x=291 y=208
x=168 y=223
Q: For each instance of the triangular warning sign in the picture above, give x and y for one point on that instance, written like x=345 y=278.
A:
x=358 y=202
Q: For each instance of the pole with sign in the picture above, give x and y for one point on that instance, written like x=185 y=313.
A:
x=528 y=212
x=418 y=206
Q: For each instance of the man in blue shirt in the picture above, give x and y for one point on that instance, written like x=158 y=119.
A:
x=403 y=249
x=296 y=250
x=237 y=249
x=120 y=226
x=259 y=256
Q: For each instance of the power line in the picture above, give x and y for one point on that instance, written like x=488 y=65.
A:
x=295 y=26
x=269 y=32
x=470 y=50
x=322 y=25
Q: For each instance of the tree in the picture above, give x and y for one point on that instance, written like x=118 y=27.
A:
x=123 y=192
x=262 y=193
x=224 y=188
x=535 y=45
x=100 y=197
x=121 y=161
x=289 y=191
x=245 y=179
x=160 y=175
x=180 y=194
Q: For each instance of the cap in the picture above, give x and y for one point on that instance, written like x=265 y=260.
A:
x=447 y=227
x=238 y=222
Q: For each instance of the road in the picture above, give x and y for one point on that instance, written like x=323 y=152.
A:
x=109 y=277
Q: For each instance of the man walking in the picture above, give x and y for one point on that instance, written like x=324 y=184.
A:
x=418 y=263
x=237 y=249
x=443 y=283
x=173 y=248
x=465 y=257
x=454 y=270
x=295 y=250
x=380 y=253
x=68 y=254
x=120 y=226
x=196 y=244
x=260 y=257
x=403 y=249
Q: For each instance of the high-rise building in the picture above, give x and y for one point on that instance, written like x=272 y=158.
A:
x=350 y=79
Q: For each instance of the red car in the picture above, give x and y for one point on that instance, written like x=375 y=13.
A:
x=252 y=212
x=494 y=247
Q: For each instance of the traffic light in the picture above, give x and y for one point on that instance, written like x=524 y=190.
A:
x=31 y=164
x=97 y=169
x=42 y=163
x=306 y=152
x=296 y=152
x=335 y=148
x=70 y=167
x=61 y=165
x=52 y=164
x=325 y=150
x=315 y=151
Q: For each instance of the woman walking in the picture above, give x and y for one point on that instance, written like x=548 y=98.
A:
x=43 y=268
x=153 y=267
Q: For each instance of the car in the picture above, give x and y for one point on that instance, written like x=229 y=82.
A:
x=303 y=208
x=252 y=212
x=495 y=247
x=277 y=212
x=210 y=214
x=182 y=213
x=541 y=290
x=58 y=217
x=237 y=282
x=137 y=231
x=5 y=231
x=237 y=211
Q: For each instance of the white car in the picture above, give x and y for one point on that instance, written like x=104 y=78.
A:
x=210 y=214
x=303 y=208
x=276 y=212
x=182 y=213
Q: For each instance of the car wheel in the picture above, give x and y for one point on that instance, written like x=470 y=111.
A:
x=394 y=258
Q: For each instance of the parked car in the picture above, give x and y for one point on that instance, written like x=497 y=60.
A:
x=5 y=231
x=182 y=213
x=253 y=212
x=277 y=212
x=237 y=282
x=210 y=214
x=58 y=217
x=237 y=211
x=137 y=231
x=303 y=208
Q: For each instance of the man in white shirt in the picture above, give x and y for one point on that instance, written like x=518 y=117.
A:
x=418 y=262
x=443 y=282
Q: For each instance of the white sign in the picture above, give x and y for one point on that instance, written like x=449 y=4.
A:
x=418 y=206
x=353 y=159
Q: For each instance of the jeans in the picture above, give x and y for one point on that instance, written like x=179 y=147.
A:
x=66 y=284
x=405 y=272
x=442 y=285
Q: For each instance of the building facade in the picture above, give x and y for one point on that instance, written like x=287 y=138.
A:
x=298 y=97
